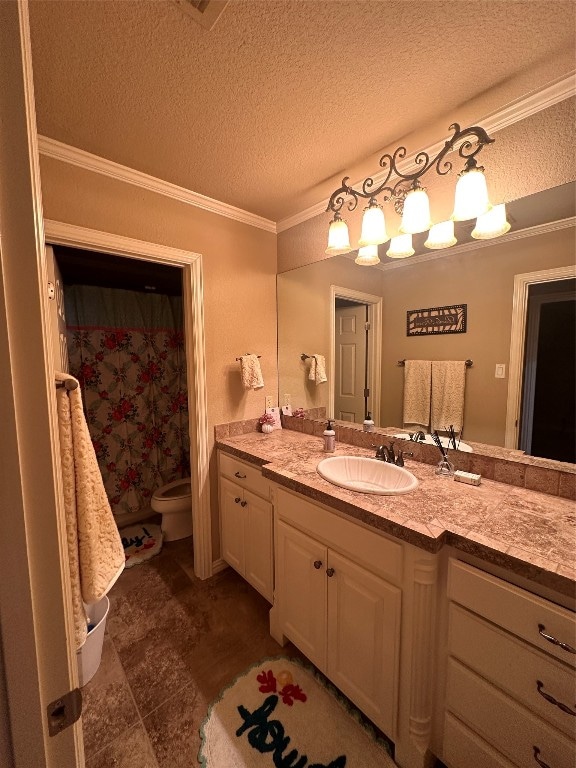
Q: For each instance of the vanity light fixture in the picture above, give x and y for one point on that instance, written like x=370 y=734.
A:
x=491 y=224
x=410 y=199
x=367 y=256
x=400 y=247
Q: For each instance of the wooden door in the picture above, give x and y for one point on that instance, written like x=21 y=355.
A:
x=258 y=544
x=232 y=524
x=363 y=639
x=301 y=591
x=39 y=660
x=350 y=363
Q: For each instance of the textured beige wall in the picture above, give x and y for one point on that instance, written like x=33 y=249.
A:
x=239 y=278
x=304 y=323
x=484 y=280
x=528 y=157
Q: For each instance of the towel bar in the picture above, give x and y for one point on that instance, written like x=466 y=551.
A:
x=247 y=353
x=469 y=363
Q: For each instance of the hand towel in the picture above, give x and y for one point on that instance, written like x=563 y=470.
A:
x=448 y=384
x=251 y=372
x=94 y=544
x=318 y=369
x=417 y=389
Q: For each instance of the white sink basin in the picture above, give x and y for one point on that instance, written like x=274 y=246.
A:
x=358 y=473
x=444 y=440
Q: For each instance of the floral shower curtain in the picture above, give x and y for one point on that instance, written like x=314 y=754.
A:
x=127 y=350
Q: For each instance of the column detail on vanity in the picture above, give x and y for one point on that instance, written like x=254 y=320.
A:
x=510 y=694
x=246 y=521
x=423 y=633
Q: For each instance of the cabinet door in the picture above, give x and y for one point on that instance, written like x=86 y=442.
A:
x=363 y=639
x=301 y=591
x=232 y=525
x=258 y=544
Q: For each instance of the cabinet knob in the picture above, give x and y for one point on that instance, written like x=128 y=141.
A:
x=317 y=564
x=330 y=572
x=239 y=475
x=237 y=500
x=540 y=762
x=243 y=503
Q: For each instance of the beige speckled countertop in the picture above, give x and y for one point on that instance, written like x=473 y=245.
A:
x=531 y=534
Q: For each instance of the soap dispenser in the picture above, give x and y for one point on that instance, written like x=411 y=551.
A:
x=329 y=438
x=368 y=425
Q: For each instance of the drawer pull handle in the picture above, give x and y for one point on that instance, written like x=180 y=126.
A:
x=554 y=641
x=330 y=572
x=243 y=503
x=239 y=475
x=317 y=564
x=552 y=700
x=540 y=762
x=237 y=500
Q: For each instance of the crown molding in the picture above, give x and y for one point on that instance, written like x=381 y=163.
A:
x=520 y=234
x=558 y=90
x=57 y=150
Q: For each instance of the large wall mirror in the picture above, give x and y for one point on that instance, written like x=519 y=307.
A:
x=513 y=288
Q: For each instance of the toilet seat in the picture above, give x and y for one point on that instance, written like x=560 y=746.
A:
x=177 y=489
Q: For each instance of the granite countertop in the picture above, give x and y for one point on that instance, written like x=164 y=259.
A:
x=529 y=533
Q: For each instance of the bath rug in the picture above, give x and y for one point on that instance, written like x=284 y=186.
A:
x=141 y=542
x=282 y=712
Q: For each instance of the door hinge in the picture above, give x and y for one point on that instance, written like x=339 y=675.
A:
x=367 y=326
x=366 y=393
x=64 y=711
x=51 y=290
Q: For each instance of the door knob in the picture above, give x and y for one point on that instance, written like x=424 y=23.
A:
x=243 y=503
x=237 y=500
x=330 y=572
x=317 y=564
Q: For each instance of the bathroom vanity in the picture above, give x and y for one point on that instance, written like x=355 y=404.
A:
x=450 y=640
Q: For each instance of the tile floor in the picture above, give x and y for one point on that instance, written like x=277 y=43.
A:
x=172 y=643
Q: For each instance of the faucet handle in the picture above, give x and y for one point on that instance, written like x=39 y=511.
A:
x=400 y=457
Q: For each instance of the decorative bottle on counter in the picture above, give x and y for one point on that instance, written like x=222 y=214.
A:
x=368 y=425
x=329 y=438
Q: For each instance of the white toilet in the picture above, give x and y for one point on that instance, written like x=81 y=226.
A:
x=174 y=502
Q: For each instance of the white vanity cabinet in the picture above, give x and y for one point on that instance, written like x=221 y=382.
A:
x=336 y=600
x=510 y=697
x=246 y=522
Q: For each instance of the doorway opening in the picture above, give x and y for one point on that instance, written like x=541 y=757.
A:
x=355 y=359
x=548 y=411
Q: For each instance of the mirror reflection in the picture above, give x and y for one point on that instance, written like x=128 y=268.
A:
x=355 y=317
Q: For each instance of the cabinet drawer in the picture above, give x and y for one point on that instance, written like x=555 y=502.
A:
x=513 y=666
x=243 y=474
x=514 y=609
x=381 y=555
x=502 y=722
x=464 y=748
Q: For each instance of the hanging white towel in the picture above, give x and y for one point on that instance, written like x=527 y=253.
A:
x=318 y=369
x=448 y=384
x=417 y=389
x=251 y=372
x=95 y=548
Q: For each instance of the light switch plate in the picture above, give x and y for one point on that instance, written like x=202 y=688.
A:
x=287 y=400
x=269 y=402
x=500 y=371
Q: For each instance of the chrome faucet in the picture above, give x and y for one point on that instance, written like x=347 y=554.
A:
x=386 y=453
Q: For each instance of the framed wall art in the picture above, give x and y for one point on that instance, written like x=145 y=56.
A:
x=435 y=320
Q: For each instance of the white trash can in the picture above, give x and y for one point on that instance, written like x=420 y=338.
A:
x=89 y=654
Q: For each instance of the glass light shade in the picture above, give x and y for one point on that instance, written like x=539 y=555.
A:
x=471 y=196
x=373 y=227
x=338 y=238
x=400 y=247
x=367 y=256
x=441 y=235
x=416 y=213
x=491 y=224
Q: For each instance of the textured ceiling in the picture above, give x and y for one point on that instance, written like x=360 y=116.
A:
x=281 y=96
